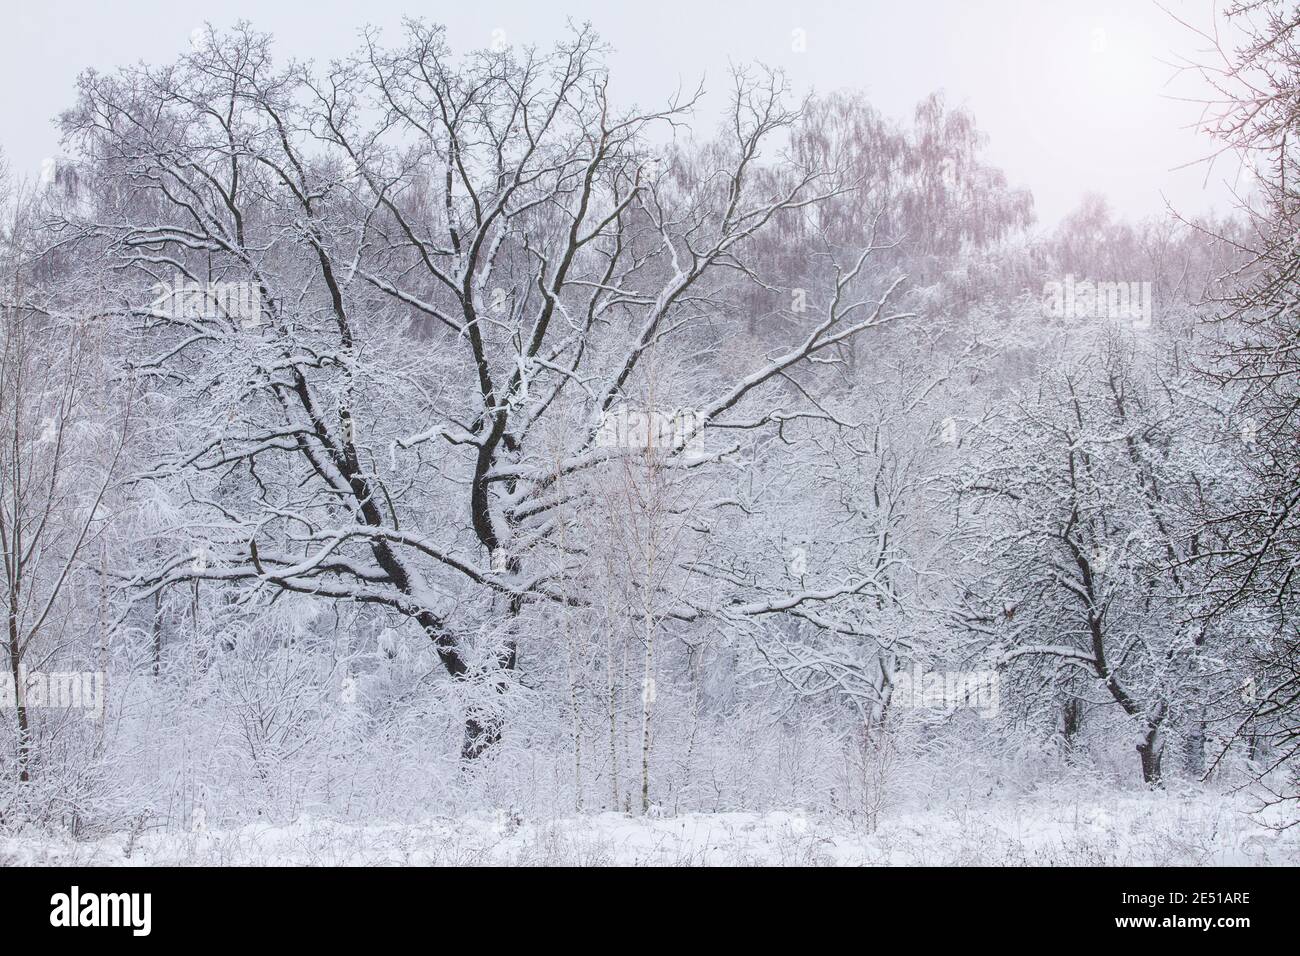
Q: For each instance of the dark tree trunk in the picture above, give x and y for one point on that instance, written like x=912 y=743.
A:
x=1151 y=752
x=481 y=734
x=157 y=633
x=1071 y=723
x=483 y=725
x=24 y=730
x=1194 y=755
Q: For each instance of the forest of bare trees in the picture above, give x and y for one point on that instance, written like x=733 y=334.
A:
x=427 y=431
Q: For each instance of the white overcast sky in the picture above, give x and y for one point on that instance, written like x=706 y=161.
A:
x=1074 y=96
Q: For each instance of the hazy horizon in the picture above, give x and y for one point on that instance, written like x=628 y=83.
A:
x=1072 y=102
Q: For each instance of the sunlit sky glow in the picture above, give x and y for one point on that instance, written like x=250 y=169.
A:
x=1075 y=97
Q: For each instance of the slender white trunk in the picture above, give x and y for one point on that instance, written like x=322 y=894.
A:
x=647 y=702
x=612 y=702
x=576 y=724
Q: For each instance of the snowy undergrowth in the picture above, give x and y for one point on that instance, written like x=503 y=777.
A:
x=1188 y=829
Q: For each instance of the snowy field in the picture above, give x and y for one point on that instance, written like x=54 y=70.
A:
x=1158 y=830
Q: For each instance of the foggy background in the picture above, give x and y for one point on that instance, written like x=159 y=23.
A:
x=1073 y=100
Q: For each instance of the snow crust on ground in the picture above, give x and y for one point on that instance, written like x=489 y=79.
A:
x=1159 y=830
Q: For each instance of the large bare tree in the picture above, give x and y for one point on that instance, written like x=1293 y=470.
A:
x=450 y=273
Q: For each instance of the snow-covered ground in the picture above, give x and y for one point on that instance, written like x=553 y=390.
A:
x=1159 y=830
